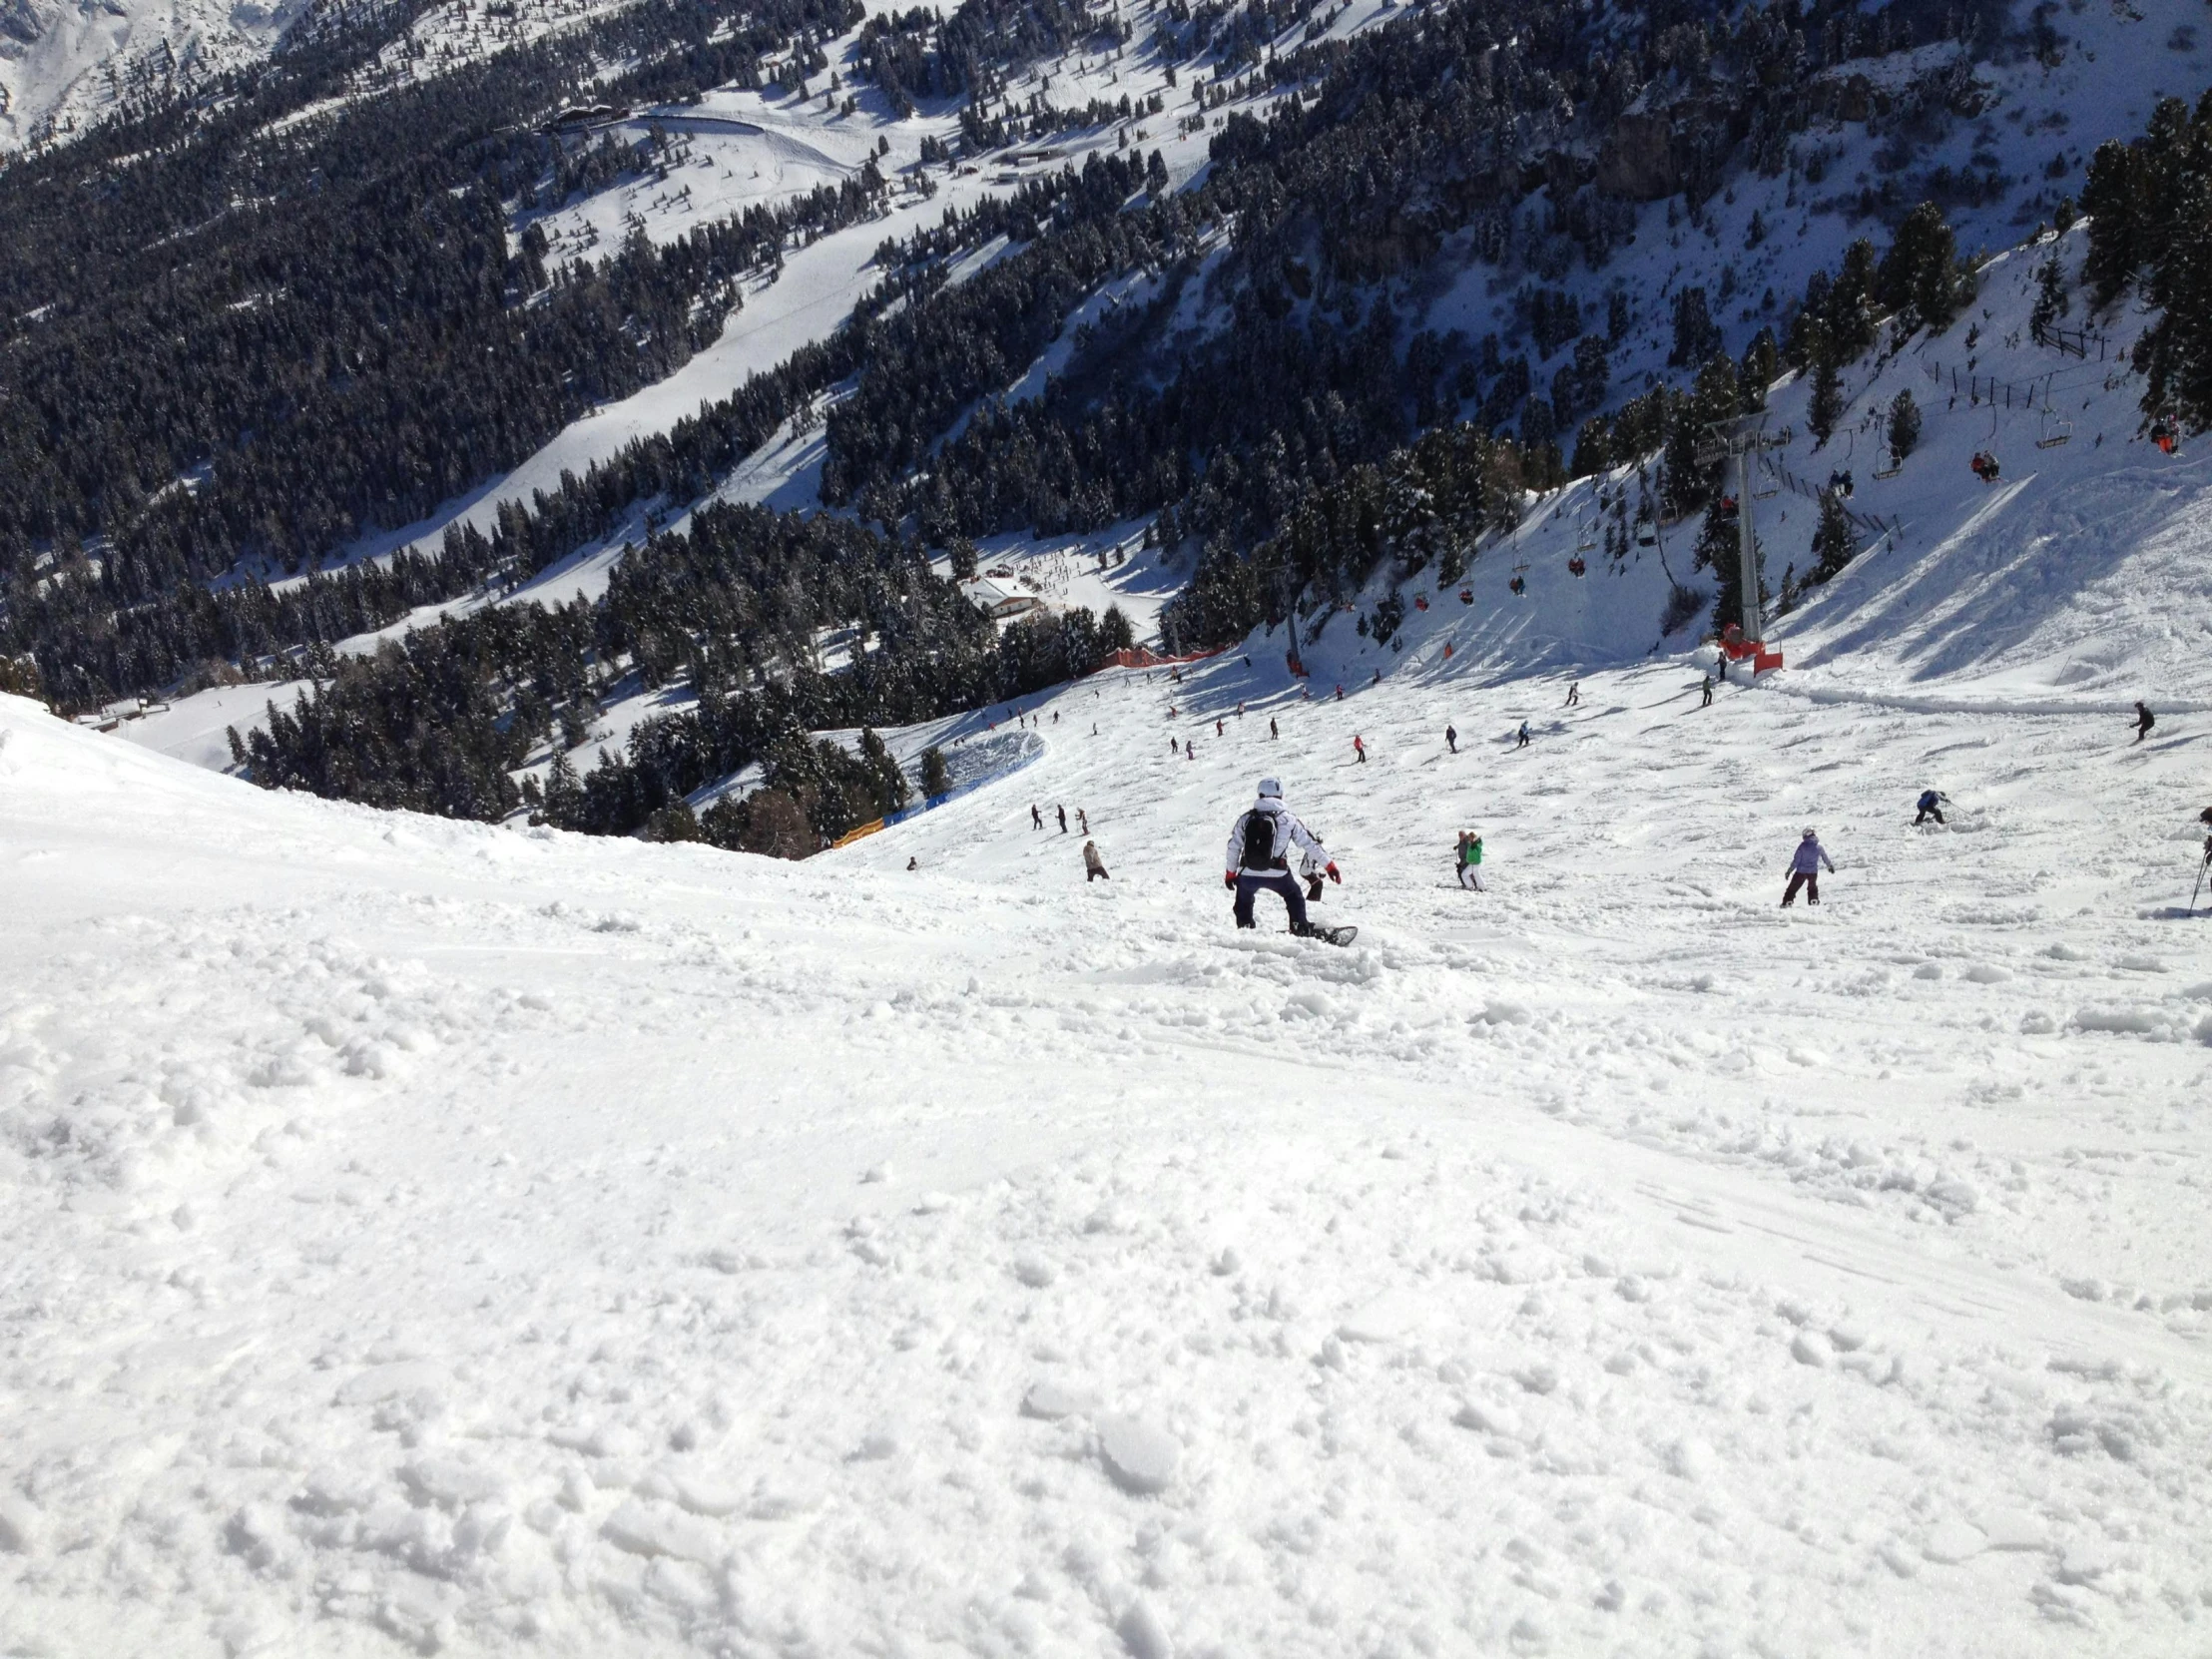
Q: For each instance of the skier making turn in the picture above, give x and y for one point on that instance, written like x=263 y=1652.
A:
x=1930 y=805
x=1804 y=870
x=1258 y=858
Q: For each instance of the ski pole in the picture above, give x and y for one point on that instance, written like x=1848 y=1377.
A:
x=2199 y=887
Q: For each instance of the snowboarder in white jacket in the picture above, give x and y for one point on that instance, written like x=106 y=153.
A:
x=1258 y=858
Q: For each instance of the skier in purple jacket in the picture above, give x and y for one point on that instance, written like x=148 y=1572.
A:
x=1804 y=870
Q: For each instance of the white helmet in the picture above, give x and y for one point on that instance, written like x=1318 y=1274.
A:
x=1268 y=786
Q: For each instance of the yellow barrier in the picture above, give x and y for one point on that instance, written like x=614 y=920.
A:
x=857 y=834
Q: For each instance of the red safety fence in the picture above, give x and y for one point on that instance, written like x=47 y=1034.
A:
x=1142 y=656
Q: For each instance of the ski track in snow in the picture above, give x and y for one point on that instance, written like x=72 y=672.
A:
x=435 y=1236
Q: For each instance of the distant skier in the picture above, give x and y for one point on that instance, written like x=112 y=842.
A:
x=913 y=864
x=1523 y=742
x=1720 y=667
x=1272 y=732
x=1189 y=752
x=1063 y=811
x=1359 y=747
x=1083 y=818
x=1451 y=739
x=1575 y=694
x=2144 y=721
x=1339 y=690
x=1036 y=818
x=1804 y=870
x=1931 y=806
x=1471 y=860
x=1094 y=867
x=1219 y=730
x=1257 y=860
x=1708 y=702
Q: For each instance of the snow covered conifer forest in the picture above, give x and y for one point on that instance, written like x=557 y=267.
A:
x=628 y=632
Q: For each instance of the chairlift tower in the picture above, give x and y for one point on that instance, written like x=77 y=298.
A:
x=1738 y=441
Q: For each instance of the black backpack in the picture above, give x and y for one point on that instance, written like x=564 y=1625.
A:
x=1258 y=840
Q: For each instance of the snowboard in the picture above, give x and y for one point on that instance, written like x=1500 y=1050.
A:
x=1332 y=935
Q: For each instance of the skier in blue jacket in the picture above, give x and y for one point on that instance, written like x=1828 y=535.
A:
x=1804 y=870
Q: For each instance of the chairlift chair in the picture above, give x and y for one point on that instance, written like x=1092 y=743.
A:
x=1895 y=466
x=2055 y=430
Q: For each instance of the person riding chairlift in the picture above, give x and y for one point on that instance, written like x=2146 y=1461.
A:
x=1985 y=466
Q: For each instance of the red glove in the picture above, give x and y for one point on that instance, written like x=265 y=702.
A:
x=1332 y=875
x=1228 y=878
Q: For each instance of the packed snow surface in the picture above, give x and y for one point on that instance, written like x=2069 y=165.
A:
x=434 y=1236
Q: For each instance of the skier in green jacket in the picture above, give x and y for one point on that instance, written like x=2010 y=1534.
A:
x=1471 y=860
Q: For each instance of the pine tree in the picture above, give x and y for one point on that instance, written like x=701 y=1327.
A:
x=1719 y=551
x=2051 y=300
x=1832 y=542
x=1826 y=407
x=936 y=777
x=1903 y=426
x=2175 y=356
x=1918 y=278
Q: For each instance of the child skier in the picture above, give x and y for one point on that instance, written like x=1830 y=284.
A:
x=2144 y=721
x=1931 y=806
x=1805 y=869
x=1471 y=860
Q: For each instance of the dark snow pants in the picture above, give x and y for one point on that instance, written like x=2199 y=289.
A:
x=1809 y=880
x=1926 y=813
x=1249 y=886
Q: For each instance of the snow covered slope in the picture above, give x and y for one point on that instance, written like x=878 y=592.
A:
x=58 y=62
x=2078 y=581
x=433 y=1236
